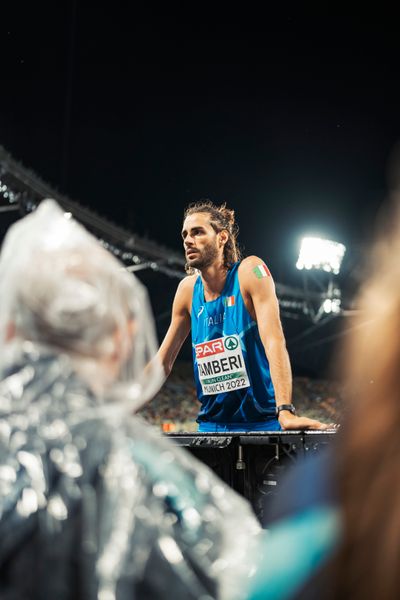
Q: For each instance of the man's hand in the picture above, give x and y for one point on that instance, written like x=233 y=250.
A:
x=289 y=421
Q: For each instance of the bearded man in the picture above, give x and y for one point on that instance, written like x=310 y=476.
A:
x=241 y=365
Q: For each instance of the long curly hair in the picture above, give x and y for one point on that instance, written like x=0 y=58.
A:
x=221 y=218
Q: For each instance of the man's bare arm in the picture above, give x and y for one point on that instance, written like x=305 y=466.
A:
x=180 y=324
x=258 y=290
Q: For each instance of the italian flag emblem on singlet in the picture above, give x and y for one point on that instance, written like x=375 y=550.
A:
x=229 y=301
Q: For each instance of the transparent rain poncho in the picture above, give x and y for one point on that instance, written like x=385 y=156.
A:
x=94 y=503
x=60 y=288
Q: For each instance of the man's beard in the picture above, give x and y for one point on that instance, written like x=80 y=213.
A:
x=204 y=258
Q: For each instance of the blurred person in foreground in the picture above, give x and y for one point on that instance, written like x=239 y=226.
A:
x=93 y=502
x=335 y=530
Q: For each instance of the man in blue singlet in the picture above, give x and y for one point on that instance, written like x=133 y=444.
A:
x=241 y=365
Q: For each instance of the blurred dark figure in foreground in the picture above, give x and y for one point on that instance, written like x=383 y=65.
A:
x=340 y=538
x=93 y=503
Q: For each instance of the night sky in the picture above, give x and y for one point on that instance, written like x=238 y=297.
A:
x=291 y=120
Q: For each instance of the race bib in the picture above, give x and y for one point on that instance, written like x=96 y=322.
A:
x=221 y=366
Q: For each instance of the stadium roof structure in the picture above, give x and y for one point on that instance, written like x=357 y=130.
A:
x=21 y=190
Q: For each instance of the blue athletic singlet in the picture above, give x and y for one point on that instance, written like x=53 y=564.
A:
x=231 y=369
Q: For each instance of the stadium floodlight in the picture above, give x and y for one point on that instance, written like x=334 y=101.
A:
x=320 y=254
x=331 y=305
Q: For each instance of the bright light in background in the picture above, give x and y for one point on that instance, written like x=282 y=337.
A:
x=325 y=255
x=331 y=305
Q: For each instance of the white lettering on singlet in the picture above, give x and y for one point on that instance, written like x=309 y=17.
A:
x=216 y=320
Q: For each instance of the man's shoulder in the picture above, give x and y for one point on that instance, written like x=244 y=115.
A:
x=249 y=261
x=254 y=277
x=253 y=265
x=184 y=292
x=187 y=283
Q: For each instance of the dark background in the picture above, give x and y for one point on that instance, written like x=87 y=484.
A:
x=292 y=119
